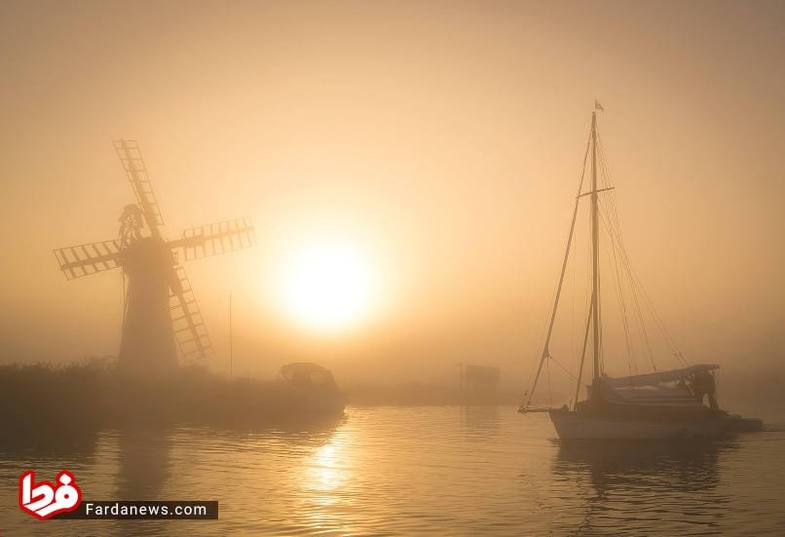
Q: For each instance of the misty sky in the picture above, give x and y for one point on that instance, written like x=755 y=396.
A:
x=443 y=139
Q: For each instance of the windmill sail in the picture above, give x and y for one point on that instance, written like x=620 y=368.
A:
x=188 y=324
x=133 y=163
x=86 y=259
x=214 y=239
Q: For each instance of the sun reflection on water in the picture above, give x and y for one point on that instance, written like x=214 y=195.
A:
x=324 y=477
x=325 y=473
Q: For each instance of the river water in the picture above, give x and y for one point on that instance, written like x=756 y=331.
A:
x=405 y=471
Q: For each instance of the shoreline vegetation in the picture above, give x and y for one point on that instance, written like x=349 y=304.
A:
x=42 y=401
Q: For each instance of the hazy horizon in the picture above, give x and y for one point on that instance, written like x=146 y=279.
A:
x=442 y=141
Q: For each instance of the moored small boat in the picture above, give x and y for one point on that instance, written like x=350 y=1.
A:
x=313 y=387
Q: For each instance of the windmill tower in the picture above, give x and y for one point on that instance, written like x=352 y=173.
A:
x=160 y=307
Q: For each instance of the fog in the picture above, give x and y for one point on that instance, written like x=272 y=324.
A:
x=444 y=140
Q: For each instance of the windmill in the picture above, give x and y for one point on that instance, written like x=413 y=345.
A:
x=160 y=307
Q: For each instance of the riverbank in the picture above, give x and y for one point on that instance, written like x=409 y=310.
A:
x=43 y=401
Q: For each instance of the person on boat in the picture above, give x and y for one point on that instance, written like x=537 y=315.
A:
x=703 y=384
x=712 y=391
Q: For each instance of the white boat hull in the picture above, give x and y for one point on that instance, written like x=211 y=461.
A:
x=573 y=426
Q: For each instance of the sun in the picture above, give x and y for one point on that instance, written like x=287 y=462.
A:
x=327 y=286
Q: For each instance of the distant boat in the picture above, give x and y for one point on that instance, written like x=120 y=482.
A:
x=314 y=387
x=658 y=405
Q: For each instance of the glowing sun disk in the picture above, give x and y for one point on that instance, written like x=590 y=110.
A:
x=327 y=286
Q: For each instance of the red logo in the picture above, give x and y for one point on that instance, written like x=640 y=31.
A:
x=44 y=500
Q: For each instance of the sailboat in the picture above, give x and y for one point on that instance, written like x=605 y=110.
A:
x=662 y=404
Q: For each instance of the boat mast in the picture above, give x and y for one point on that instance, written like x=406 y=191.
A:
x=595 y=251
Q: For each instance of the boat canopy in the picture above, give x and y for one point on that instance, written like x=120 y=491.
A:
x=306 y=374
x=659 y=377
x=653 y=394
